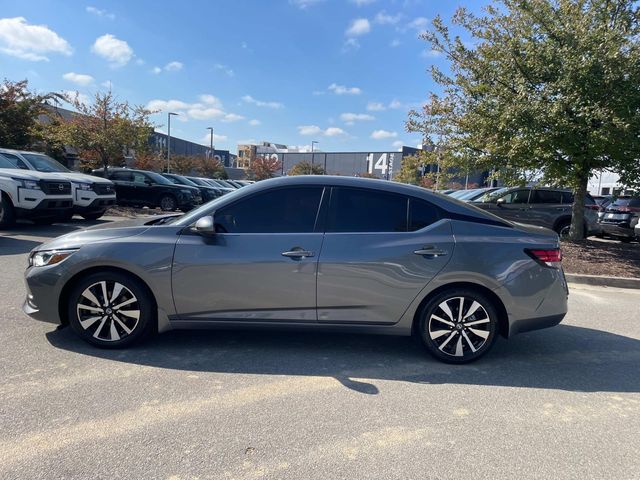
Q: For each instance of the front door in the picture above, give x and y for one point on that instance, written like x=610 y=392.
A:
x=260 y=266
x=380 y=250
x=513 y=205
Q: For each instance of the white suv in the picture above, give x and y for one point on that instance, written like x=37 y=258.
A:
x=92 y=196
x=41 y=197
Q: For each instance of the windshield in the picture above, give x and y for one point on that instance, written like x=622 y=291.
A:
x=180 y=180
x=43 y=163
x=197 y=181
x=492 y=196
x=626 y=202
x=156 y=177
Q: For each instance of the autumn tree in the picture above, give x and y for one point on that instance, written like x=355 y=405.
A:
x=19 y=112
x=146 y=159
x=264 y=167
x=305 y=168
x=210 y=168
x=547 y=86
x=105 y=130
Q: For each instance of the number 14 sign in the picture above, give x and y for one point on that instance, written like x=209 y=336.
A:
x=384 y=163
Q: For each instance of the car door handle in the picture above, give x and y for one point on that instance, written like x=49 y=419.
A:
x=430 y=251
x=297 y=253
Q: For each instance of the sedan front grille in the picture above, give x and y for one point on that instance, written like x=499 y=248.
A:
x=103 y=188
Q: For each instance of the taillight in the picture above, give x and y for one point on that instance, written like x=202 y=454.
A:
x=592 y=207
x=550 y=258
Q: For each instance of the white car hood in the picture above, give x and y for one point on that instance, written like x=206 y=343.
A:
x=80 y=177
x=29 y=174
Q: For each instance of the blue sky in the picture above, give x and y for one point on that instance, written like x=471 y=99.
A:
x=340 y=72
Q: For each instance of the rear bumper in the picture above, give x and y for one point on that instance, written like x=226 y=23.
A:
x=529 y=324
x=617 y=230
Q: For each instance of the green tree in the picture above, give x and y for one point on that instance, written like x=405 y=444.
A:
x=19 y=112
x=105 y=130
x=305 y=168
x=549 y=86
x=264 y=167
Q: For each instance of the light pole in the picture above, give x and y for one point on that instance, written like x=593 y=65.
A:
x=169 y=141
x=312 y=155
x=212 y=150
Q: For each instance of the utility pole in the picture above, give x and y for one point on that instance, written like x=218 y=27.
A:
x=312 y=155
x=169 y=141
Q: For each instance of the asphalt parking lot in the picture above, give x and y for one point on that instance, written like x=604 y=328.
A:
x=559 y=403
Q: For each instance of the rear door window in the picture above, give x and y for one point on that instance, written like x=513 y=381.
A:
x=121 y=176
x=15 y=161
x=546 y=196
x=421 y=214
x=364 y=210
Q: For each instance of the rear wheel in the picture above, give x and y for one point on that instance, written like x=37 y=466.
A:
x=459 y=326
x=111 y=310
x=7 y=215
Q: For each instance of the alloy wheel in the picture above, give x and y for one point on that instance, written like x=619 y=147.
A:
x=108 y=310
x=167 y=204
x=459 y=326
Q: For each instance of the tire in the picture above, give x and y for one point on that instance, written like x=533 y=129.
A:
x=7 y=215
x=66 y=217
x=448 y=336
x=563 y=228
x=45 y=220
x=111 y=324
x=92 y=216
x=168 y=203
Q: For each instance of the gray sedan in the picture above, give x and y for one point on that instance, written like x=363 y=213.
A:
x=311 y=252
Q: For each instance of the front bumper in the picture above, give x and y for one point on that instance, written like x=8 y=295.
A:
x=41 y=302
x=47 y=207
x=97 y=204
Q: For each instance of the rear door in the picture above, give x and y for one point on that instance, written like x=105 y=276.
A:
x=380 y=249
x=545 y=206
x=123 y=182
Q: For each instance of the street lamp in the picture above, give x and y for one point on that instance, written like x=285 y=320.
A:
x=212 y=149
x=169 y=141
x=312 y=155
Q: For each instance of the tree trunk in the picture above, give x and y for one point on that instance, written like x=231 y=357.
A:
x=577 y=231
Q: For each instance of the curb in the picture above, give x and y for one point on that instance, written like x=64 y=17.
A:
x=602 y=281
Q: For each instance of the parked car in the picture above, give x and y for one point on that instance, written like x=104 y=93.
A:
x=92 y=196
x=207 y=193
x=222 y=183
x=620 y=218
x=429 y=266
x=235 y=183
x=41 y=197
x=546 y=207
x=150 y=189
x=205 y=182
x=472 y=194
x=603 y=201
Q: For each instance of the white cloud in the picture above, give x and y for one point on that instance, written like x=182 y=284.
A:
x=223 y=68
x=430 y=53
x=78 y=78
x=100 y=13
x=247 y=141
x=350 y=118
x=342 y=90
x=173 y=66
x=30 y=42
x=375 y=107
x=383 y=18
x=395 y=104
x=394 y=43
x=254 y=122
x=398 y=144
x=156 y=70
x=117 y=52
x=383 y=134
x=418 y=23
x=217 y=138
x=359 y=26
x=316 y=130
x=304 y=4
x=209 y=107
x=350 y=44
x=261 y=103
x=362 y=3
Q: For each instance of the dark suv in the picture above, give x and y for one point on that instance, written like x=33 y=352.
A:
x=546 y=207
x=150 y=189
x=620 y=218
x=208 y=193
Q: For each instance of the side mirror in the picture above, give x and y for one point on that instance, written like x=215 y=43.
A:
x=205 y=226
x=500 y=201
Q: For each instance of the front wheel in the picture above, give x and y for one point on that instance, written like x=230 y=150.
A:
x=459 y=326
x=111 y=310
x=168 y=203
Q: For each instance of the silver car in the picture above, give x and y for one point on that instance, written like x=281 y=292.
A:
x=309 y=252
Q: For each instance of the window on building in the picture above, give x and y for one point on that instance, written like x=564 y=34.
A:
x=605 y=191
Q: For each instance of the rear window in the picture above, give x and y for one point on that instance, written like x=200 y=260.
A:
x=627 y=202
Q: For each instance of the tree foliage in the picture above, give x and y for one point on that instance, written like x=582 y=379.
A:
x=19 y=111
x=305 y=168
x=264 y=167
x=549 y=86
x=105 y=130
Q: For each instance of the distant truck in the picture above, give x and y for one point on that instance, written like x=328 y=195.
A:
x=41 y=197
x=92 y=196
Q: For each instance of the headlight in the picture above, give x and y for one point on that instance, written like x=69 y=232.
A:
x=49 y=257
x=30 y=184
x=82 y=186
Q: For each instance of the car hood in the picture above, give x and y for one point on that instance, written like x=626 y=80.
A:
x=28 y=174
x=100 y=233
x=80 y=177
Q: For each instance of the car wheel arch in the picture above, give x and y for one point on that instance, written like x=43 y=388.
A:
x=503 y=317
x=63 y=298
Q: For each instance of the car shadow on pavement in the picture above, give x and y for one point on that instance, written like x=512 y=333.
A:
x=48 y=231
x=16 y=246
x=562 y=358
